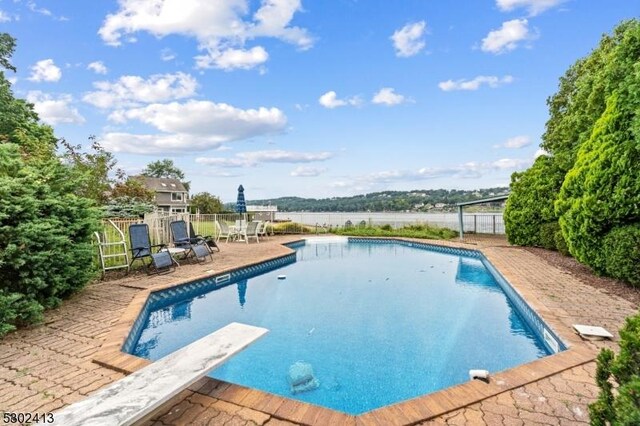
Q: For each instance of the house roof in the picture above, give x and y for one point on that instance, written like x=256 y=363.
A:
x=162 y=184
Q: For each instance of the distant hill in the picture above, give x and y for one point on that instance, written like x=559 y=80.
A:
x=417 y=200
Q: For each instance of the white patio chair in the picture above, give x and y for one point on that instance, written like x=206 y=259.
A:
x=263 y=229
x=250 y=231
x=224 y=231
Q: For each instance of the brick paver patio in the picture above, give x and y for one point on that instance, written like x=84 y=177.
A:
x=49 y=366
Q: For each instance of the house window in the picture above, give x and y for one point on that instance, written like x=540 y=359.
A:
x=176 y=196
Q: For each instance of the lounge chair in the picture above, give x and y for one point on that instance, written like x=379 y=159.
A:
x=181 y=239
x=250 y=231
x=141 y=249
x=202 y=239
x=224 y=231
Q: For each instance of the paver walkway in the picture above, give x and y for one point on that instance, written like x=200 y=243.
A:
x=48 y=366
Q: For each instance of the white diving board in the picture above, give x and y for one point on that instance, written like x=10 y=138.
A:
x=132 y=398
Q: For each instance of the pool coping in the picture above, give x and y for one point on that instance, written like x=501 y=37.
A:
x=407 y=412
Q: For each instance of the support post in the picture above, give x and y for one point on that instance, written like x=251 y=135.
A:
x=460 y=223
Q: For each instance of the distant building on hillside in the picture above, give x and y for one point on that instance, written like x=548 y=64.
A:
x=269 y=208
x=263 y=212
x=171 y=195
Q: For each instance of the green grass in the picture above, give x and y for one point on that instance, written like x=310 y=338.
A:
x=291 y=228
x=411 y=231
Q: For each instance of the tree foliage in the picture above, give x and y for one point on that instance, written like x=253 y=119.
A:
x=206 y=203
x=530 y=204
x=45 y=227
x=624 y=370
x=7 y=47
x=45 y=234
x=417 y=200
x=593 y=176
x=96 y=166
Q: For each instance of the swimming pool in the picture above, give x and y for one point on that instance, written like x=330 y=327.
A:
x=378 y=321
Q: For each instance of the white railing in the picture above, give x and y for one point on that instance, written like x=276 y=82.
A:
x=479 y=223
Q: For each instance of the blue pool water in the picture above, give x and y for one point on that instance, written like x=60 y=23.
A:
x=379 y=323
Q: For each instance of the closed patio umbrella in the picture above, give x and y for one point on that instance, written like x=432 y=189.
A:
x=241 y=205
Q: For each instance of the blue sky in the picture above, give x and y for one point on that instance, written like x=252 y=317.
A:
x=310 y=98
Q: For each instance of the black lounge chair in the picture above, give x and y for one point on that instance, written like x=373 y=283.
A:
x=141 y=249
x=200 y=239
x=181 y=239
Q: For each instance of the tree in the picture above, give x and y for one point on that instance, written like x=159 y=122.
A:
x=45 y=236
x=593 y=136
x=96 y=166
x=530 y=204
x=132 y=188
x=7 y=47
x=163 y=169
x=206 y=203
x=46 y=229
x=129 y=198
x=18 y=120
x=623 y=408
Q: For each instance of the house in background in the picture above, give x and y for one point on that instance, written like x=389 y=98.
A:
x=171 y=195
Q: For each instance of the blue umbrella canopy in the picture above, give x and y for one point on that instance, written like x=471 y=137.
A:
x=241 y=205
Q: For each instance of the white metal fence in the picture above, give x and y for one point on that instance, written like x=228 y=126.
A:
x=479 y=223
x=113 y=239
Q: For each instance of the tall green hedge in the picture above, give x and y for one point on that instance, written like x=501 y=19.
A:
x=45 y=236
x=602 y=190
x=45 y=228
x=590 y=182
x=530 y=205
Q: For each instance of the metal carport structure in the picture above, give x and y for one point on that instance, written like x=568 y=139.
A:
x=470 y=203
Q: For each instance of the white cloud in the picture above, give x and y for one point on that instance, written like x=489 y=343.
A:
x=409 y=40
x=55 y=109
x=43 y=11
x=330 y=100
x=222 y=28
x=45 y=70
x=230 y=59
x=255 y=158
x=167 y=55
x=34 y=8
x=534 y=7
x=507 y=37
x=475 y=83
x=387 y=96
x=131 y=90
x=515 y=142
x=209 y=118
x=12 y=80
x=5 y=17
x=192 y=126
x=469 y=170
x=157 y=143
x=302 y=171
x=98 y=67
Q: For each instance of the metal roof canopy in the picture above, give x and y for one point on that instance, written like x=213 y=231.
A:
x=470 y=203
